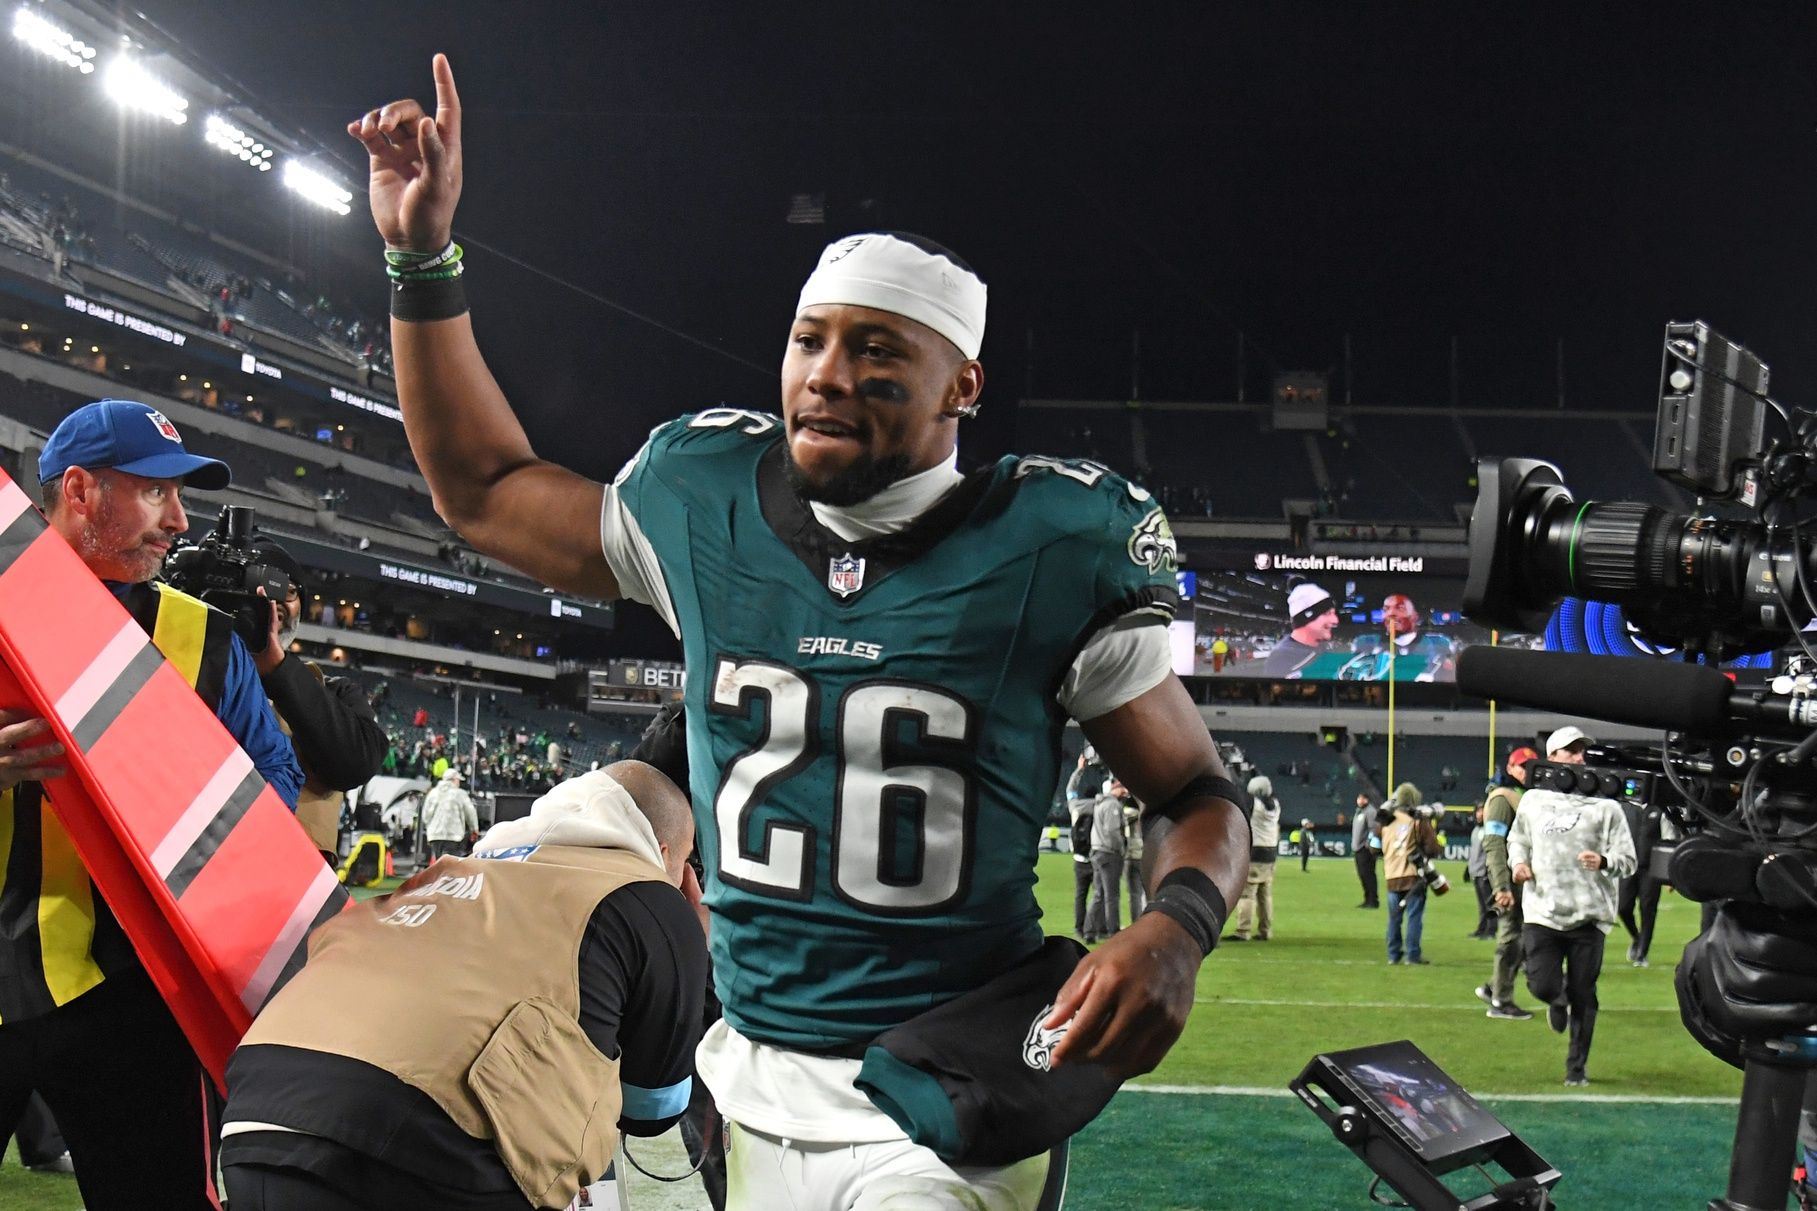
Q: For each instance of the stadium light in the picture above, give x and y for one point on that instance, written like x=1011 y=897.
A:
x=315 y=187
x=48 y=39
x=218 y=132
x=128 y=83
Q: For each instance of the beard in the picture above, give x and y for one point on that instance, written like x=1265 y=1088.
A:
x=853 y=484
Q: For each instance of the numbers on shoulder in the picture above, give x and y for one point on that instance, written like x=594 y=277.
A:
x=747 y=421
x=1081 y=471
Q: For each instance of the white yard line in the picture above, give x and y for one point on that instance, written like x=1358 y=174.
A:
x=1269 y=1091
x=1473 y=1006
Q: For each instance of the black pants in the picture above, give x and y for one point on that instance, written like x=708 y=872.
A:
x=40 y=1143
x=126 y=1089
x=1562 y=966
x=1485 y=898
x=1640 y=891
x=1081 y=894
x=1365 y=874
x=257 y=1188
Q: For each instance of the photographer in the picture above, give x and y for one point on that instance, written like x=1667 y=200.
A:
x=1256 y=907
x=1409 y=843
x=80 y=1020
x=337 y=736
x=1499 y=809
x=1568 y=851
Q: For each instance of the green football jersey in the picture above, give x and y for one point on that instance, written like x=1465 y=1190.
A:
x=873 y=732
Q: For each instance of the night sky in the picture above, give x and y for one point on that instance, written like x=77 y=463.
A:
x=1506 y=174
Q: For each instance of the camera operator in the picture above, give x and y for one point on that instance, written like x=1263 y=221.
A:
x=1409 y=843
x=1256 y=907
x=80 y=1020
x=337 y=736
x=1568 y=851
x=1499 y=809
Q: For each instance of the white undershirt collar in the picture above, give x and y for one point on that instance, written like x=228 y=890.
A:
x=894 y=508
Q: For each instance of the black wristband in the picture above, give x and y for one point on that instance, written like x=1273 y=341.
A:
x=435 y=299
x=1195 y=902
x=1204 y=786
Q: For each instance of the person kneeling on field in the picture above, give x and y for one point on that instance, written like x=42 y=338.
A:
x=478 y=1039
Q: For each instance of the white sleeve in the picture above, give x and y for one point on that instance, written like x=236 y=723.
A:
x=1121 y=662
x=630 y=556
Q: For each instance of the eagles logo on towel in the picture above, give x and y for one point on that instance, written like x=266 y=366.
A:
x=1038 y=1045
x=1151 y=543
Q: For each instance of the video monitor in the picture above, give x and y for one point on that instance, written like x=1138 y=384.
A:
x=1425 y=1108
x=1320 y=618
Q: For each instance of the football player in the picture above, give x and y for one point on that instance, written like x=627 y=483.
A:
x=883 y=651
x=1415 y=656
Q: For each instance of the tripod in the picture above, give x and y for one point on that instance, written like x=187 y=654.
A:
x=1766 y=1130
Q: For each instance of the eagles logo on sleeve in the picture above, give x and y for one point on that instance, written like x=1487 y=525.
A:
x=1152 y=545
x=1038 y=1045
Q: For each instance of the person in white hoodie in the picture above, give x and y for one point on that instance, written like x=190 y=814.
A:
x=1256 y=909
x=1569 y=852
x=518 y=1010
x=449 y=817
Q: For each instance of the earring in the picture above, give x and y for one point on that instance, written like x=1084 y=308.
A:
x=964 y=412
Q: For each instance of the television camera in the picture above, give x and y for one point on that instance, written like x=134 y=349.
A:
x=1735 y=768
x=229 y=571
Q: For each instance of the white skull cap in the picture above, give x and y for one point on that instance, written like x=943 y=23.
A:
x=899 y=275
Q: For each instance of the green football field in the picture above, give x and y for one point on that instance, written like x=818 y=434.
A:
x=1213 y=1129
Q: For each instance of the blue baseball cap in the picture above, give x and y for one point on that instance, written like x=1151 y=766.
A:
x=124 y=435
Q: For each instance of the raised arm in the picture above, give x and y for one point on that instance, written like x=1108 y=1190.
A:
x=486 y=481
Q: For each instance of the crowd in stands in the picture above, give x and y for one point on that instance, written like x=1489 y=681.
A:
x=525 y=744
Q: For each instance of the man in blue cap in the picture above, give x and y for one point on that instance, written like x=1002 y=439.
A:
x=80 y=1021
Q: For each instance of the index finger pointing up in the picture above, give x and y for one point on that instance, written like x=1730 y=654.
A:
x=447 y=102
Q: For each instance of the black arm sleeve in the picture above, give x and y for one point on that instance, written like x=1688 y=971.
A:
x=336 y=734
x=643 y=975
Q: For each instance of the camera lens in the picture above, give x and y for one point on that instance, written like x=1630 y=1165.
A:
x=1675 y=574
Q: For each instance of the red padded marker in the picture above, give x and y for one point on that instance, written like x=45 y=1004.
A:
x=208 y=872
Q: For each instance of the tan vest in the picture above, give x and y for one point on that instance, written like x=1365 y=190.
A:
x=466 y=987
x=1400 y=841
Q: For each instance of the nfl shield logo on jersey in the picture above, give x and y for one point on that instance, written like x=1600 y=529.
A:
x=845 y=575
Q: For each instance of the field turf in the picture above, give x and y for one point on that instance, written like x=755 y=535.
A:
x=1210 y=1130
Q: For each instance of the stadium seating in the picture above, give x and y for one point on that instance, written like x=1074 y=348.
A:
x=1396 y=467
x=171 y=259
x=1601 y=459
x=1247 y=469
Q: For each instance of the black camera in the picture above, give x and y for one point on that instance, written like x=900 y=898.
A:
x=1722 y=586
x=1736 y=767
x=1384 y=815
x=1434 y=877
x=227 y=571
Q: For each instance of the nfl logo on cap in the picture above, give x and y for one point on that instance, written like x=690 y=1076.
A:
x=163 y=426
x=845 y=575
